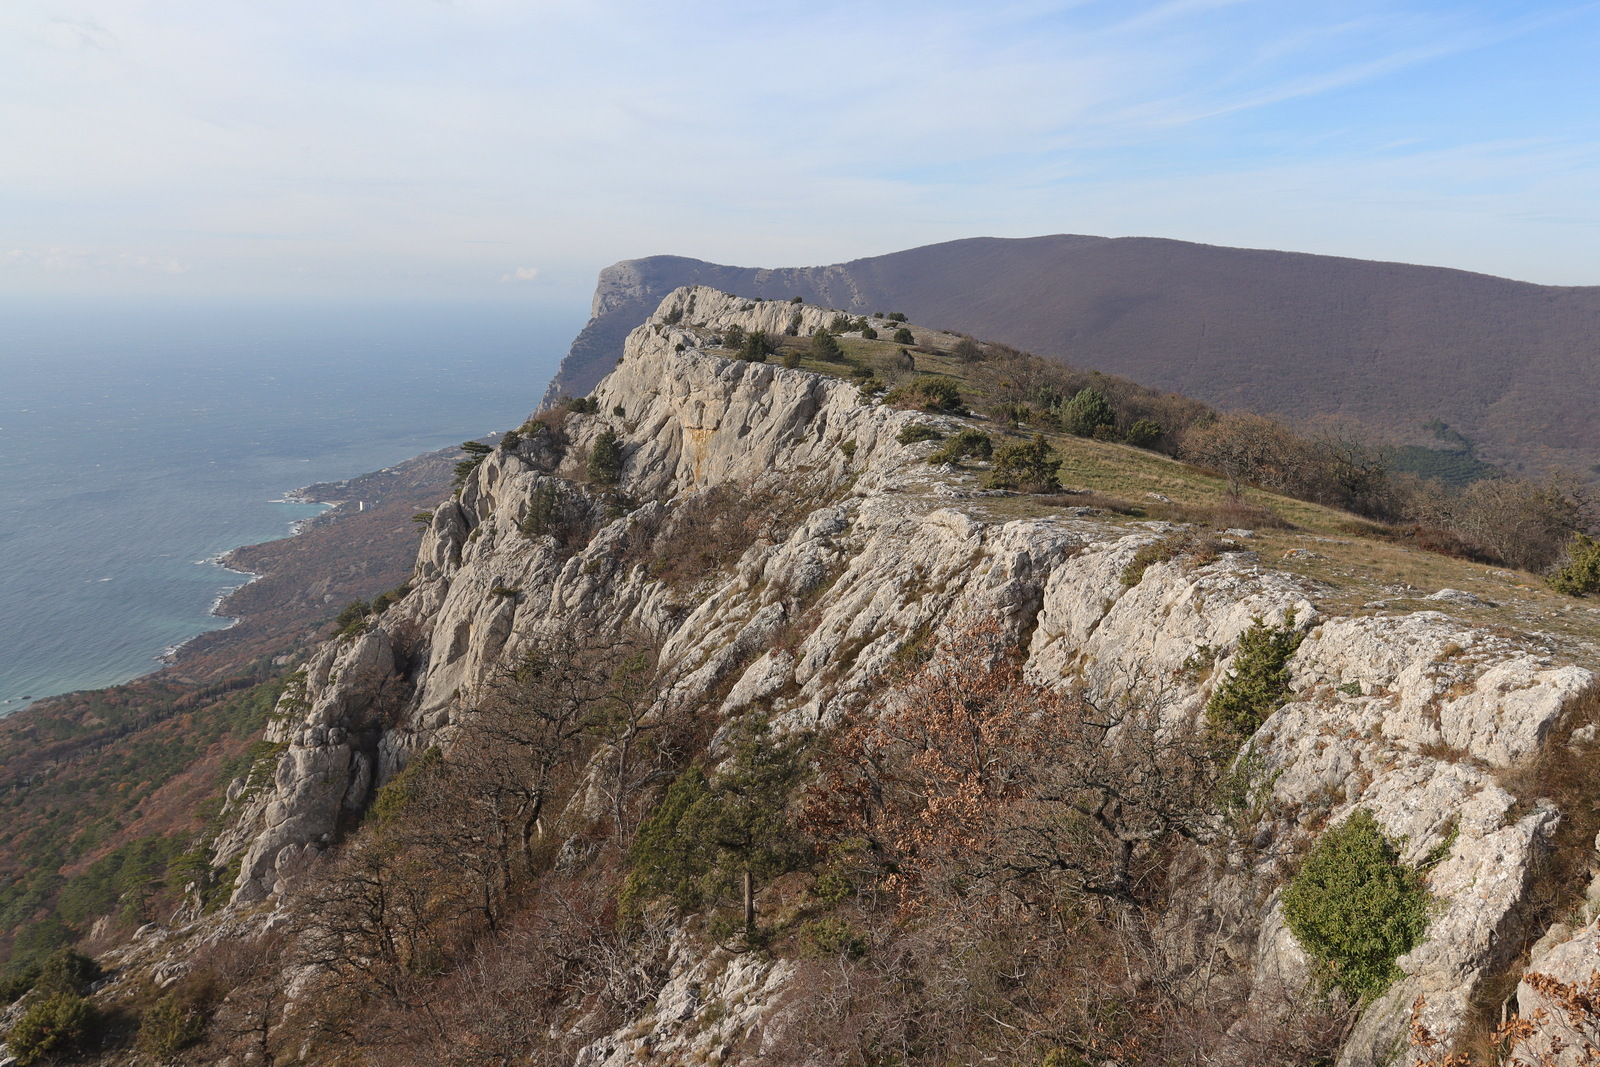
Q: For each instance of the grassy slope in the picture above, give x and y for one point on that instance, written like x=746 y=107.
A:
x=1364 y=568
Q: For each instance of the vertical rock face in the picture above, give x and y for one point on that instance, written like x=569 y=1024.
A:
x=883 y=551
x=628 y=292
x=1559 y=992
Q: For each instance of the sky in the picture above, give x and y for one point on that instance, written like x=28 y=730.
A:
x=506 y=150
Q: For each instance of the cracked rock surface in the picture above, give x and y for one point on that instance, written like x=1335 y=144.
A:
x=884 y=554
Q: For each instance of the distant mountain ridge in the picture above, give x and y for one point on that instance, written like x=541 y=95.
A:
x=1511 y=365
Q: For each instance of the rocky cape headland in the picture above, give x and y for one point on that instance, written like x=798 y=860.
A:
x=1507 y=364
x=1423 y=715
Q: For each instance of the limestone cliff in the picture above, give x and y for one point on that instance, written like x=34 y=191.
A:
x=627 y=292
x=1507 y=364
x=1414 y=715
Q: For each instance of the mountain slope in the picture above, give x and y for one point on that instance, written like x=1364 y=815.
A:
x=1510 y=365
x=782 y=543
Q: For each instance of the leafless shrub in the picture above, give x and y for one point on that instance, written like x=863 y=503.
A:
x=710 y=529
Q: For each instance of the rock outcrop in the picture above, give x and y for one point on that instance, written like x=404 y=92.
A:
x=1411 y=716
x=628 y=292
x=1509 y=365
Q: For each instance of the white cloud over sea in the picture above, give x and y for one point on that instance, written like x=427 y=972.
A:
x=408 y=146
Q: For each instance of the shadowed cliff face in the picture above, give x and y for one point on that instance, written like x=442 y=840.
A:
x=1413 y=716
x=1510 y=365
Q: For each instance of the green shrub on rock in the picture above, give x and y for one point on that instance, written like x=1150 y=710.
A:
x=546 y=506
x=1259 y=683
x=67 y=970
x=1086 y=412
x=931 y=392
x=710 y=829
x=755 y=346
x=974 y=444
x=476 y=452
x=918 y=431
x=58 y=1022
x=1026 y=465
x=352 y=619
x=903 y=336
x=1581 y=575
x=172 y=1024
x=825 y=347
x=1355 y=908
x=605 y=459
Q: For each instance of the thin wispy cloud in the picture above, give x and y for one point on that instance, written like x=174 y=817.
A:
x=425 y=143
x=78 y=260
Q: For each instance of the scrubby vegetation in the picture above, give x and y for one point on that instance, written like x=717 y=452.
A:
x=982 y=869
x=1027 y=465
x=711 y=832
x=1580 y=575
x=353 y=617
x=931 y=392
x=1355 y=907
x=605 y=458
x=963 y=444
x=57 y=1023
x=918 y=431
x=978 y=869
x=966 y=350
x=1514 y=522
x=476 y=452
x=711 y=529
x=1258 y=685
x=174 y=1023
x=70 y=807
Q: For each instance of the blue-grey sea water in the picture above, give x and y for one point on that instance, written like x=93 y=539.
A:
x=139 y=440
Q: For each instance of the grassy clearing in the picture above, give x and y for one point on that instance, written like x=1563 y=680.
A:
x=1362 y=568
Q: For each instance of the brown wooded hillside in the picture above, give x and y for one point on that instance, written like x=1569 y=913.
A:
x=1509 y=364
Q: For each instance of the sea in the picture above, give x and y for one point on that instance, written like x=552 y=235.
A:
x=141 y=440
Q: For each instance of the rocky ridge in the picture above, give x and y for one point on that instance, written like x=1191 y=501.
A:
x=1393 y=346
x=887 y=550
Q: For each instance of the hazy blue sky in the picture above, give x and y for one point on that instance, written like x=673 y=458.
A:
x=510 y=149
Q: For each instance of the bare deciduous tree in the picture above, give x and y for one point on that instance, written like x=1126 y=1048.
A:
x=979 y=776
